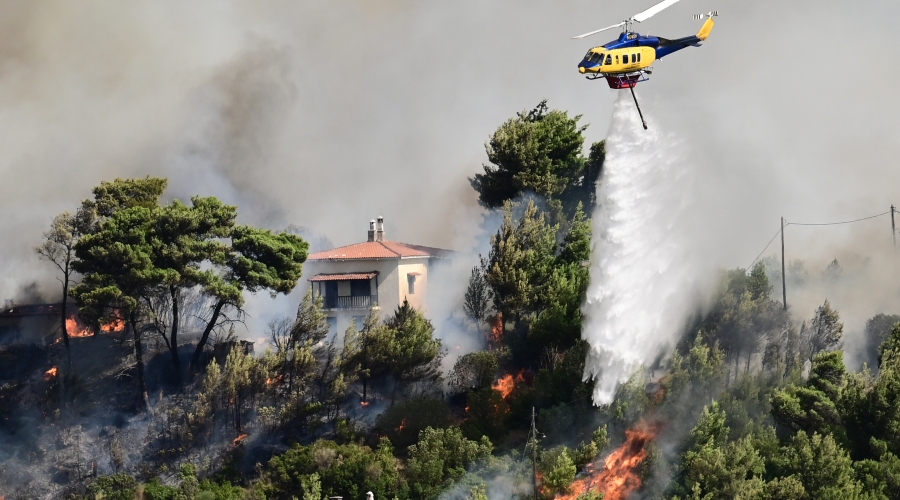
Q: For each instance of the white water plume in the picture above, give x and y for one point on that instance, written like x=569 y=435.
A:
x=641 y=273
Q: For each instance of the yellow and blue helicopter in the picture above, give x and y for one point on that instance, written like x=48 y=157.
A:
x=626 y=61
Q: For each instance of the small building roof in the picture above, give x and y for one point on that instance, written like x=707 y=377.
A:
x=344 y=276
x=34 y=310
x=372 y=250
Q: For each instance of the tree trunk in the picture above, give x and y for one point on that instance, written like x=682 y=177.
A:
x=173 y=344
x=139 y=359
x=62 y=318
x=195 y=359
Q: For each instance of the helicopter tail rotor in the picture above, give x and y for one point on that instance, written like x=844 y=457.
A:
x=708 y=15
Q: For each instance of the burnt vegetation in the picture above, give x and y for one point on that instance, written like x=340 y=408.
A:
x=141 y=385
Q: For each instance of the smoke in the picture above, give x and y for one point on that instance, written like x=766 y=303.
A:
x=321 y=114
x=642 y=266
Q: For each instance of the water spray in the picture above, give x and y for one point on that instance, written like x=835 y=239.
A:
x=642 y=270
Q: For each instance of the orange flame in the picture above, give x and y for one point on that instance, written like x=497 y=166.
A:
x=277 y=380
x=240 y=438
x=49 y=374
x=115 y=324
x=76 y=329
x=495 y=337
x=620 y=476
x=504 y=385
x=364 y=403
x=402 y=425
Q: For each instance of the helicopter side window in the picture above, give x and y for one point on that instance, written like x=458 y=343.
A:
x=608 y=60
x=639 y=57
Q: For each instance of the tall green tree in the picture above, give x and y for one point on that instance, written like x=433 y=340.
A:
x=477 y=300
x=442 y=456
x=537 y=151
x=187 y=243
x=116 y=263
x=475 y=370
x=257 y=260
x=815 y=407
x=408 y=347
x=824 y=333
x=58 y=248
x=521 y=260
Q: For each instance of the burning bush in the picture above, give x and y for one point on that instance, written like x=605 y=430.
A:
x=620 y=473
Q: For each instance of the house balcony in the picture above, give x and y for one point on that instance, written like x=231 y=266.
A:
x=351 y=302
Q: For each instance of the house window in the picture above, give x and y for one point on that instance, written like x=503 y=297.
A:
x=349 y=294
x=332 y=326
x=359 y=322
x=411 y=281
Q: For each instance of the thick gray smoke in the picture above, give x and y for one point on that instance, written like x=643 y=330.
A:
x=323 y=114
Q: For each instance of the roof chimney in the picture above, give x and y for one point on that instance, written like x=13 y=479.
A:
x=371 y=230
x=379 y=229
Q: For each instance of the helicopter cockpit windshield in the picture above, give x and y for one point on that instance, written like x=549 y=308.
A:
x=593 y=58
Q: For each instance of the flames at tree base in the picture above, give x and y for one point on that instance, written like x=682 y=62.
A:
x=619 y=474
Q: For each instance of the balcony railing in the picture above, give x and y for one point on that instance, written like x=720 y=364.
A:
x=351 y=302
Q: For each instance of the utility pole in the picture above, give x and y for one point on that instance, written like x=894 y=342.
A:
x=533 y=456
x=893 y=229
x=783 y=276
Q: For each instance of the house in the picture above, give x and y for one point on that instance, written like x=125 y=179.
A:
x=31 y=324
x=376 y=274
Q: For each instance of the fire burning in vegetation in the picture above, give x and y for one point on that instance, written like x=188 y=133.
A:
x=507 y=383
x=619 y=476
x=364 y=403
x=495 y=337
x=402 y=425
x=76 y=329
x=50 y=374
x=275 y=381
x=240 y=438
x=115 y=324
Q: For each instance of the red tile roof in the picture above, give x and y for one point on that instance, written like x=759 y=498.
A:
x=344 y=276
x=379 y=250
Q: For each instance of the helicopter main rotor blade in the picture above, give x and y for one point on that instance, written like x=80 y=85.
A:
x=604 y=29
x=656 y=9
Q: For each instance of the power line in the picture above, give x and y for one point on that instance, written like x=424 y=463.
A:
x=834 y=223
x=812 y=224
x=764 y=249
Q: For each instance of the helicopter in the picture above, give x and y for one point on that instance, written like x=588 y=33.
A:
x=626 y=61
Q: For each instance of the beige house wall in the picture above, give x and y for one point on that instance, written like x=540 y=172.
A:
x=392 y=284
x=419 y=298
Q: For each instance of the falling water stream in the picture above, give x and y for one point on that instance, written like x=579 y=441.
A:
x=638 y=298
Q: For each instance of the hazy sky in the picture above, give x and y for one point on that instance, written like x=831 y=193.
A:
x=326 y=114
